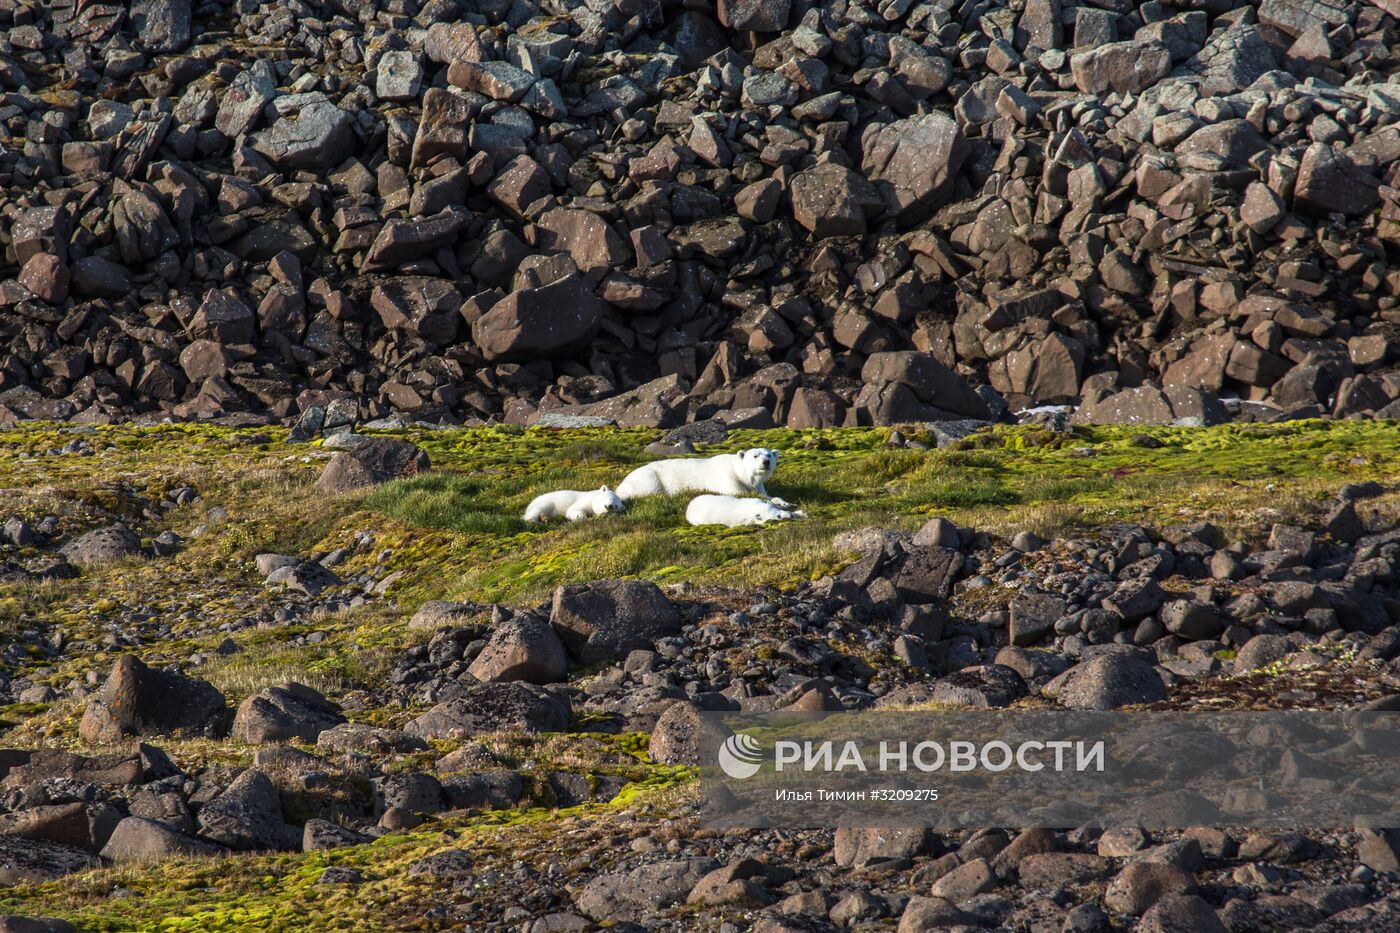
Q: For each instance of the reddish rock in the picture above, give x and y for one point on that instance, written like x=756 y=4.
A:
x=47 y=277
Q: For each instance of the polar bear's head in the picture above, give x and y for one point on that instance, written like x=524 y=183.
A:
x=757 y=464
x=605 y=500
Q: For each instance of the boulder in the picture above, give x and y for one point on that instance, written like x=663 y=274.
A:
x=375 y=461
x=941 y=392
x=629 y=895
x=322 y=834
x=140 y=700
x=1107 y=682
x=832 y=200
x=755 y=15
x=604 y=620
x=137 y=839
x=247 y=816
x=522 y=647
x=1121 y=67
x=309 y=134
x=280 y=714
x=486 y=708
x=15 y=924
x=557 y=319
x=102 y=545
x=24 y=861
x=914 y=163
x=987 y=686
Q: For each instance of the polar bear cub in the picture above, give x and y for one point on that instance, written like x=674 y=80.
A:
x=738 y=474
x=733 y=511
x=573 y=505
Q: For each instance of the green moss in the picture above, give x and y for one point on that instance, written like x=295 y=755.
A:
x=456 y=533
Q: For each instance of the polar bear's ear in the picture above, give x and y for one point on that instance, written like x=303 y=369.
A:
x=774 y=453
x=604 y=489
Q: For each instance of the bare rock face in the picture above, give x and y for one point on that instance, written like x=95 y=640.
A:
x=142 y=701
x=468 y=222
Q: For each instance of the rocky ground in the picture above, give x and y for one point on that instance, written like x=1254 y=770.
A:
x=249 y=682
x=654 y=212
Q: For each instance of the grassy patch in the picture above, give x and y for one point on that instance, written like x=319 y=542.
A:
x=456 y=533
x=1000 y=481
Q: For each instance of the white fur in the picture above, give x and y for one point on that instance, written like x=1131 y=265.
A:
x=738 y=474
x=573 y=504
x=733 y=512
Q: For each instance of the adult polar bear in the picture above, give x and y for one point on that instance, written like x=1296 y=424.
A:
x=738 y=474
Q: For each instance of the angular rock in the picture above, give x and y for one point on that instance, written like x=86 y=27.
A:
x=280 y=714
x=1121 y=67
x=604 y=620
x=378 y=460
x=488 y=708
x=140 y=700
x=914 y=163
x=554 y=320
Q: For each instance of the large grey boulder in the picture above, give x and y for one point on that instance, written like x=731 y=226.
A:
x=311 y=133
x=486 y=708
x=630 y=895
x=140 y=700
x=279 y=714
x=604 y=620
x=522 y=647
x=927 y=390
x=137 y=839
x=101 y=545
x=376 y=461
x=1107 y=682
x=553 y=320
x=914 y=163
x=248 y=816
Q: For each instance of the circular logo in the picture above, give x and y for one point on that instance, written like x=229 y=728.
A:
x=740 y=756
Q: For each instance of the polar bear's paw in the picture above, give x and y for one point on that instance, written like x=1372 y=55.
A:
x=786 y=506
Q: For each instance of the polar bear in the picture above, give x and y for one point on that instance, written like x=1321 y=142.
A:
x=573 y=504
x=733 y=511
x=738 y=474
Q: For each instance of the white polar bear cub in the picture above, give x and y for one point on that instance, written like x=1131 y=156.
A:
x=738 y=474
x=573 y=505
x=734 y=512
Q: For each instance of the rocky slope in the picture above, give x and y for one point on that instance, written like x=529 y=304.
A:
x=263 y=684
x=474 y=210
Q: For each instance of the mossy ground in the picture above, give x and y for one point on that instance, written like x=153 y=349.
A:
x=456 y=534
